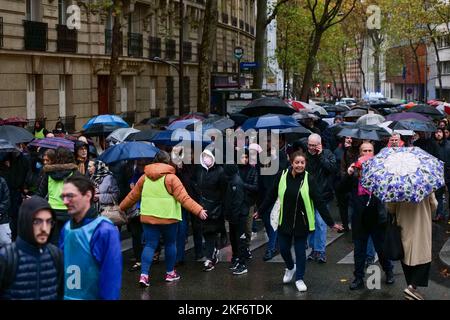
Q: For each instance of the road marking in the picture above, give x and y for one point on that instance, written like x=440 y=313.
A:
x=349 y=258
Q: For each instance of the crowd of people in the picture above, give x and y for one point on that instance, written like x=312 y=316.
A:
x=55 y=242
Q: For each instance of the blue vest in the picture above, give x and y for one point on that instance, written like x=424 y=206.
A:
x=81 y=270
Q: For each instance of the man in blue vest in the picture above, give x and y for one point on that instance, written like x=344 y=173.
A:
x=91 y=246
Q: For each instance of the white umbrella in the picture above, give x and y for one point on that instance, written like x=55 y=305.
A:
x=370 y=119
x=119 y=135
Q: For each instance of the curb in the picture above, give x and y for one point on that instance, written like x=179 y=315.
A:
x=444 y=254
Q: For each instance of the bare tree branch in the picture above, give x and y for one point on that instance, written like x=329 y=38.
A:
x=345 y=16
x=274 y=13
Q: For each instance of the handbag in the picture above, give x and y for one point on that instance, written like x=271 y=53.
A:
x=393 y=247
x=275 y=215
x=113 y=213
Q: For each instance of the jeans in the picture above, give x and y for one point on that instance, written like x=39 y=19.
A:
x=5 y=234
x=360 y=253
x=182 y=235
x=197 y=234
x=318 y=238
x=272 y=244
x=135 y=228
x=300 y=253
x=370 y=248
x=152 y=234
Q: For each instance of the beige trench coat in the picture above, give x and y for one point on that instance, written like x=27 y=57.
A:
x=416 y=223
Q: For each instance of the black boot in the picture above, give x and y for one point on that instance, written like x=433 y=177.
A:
x=357 y=284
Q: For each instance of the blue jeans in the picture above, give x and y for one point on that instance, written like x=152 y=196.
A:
x=285 y=242
x=370 y=248
x=272 y=244
x=440 y=194
x=182 y=235
x=152 y=233
x=318 y=238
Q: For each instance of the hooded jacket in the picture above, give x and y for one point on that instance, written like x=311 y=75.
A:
x=173 y=185
x=4 y=201
x=36 y=276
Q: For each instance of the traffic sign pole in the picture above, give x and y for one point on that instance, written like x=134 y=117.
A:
x=238 y=53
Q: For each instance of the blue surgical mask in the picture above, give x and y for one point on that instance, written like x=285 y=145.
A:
x=39 y=165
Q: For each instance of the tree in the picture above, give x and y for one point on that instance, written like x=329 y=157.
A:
x=323 y=14
x=205 y=55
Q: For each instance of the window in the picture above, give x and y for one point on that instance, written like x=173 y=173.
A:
x=187 y=94
x=62 y=11
x=445 y=67
x=170 y=101
x=33 y=10
x=152 y=94
x=443 y=41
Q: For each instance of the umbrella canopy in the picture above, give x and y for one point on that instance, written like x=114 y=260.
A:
x=100 y=129
x=173 y=137
x=181 y=124
x=409 y=105
x=406 y=115
x=270 y=121
x=317 y=109
x=335 y=108
x=415 y=125
x=266 y=105
x=120 y=135
x=358 y=133
x=297 y=105
x=106 y=120
x=402 y=174
x=15 y=134
x=53 y=143
x=355 y=113
x=305 y=115
x=5 y=147
x=191 y=115
x=218 y=122
x=144 y=135
x=15 y=121
x=238 y=118
x=426 y=110
x=129 y=151
x=370 y=119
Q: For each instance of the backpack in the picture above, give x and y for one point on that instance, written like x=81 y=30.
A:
x=8 y=267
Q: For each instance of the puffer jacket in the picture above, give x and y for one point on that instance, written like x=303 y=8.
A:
x=4 y=201
x=323 y=167
x=173 y=185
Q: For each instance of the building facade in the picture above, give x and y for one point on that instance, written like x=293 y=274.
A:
x=50 y=71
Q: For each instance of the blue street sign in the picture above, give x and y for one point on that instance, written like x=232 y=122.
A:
x=249 y=65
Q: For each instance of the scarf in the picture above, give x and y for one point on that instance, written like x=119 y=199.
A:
x=101 y=171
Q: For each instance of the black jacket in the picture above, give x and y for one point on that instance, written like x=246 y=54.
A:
x=443 y=154
x=295 y=220
x=249 y=177
x=39 y=274
x=323 y=167
x=4 y=202
x=234 y=204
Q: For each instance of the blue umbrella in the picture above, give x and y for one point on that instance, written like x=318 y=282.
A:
x=106 y=120
x=270 y=121
x=129 y=151
x=53 y=143
x=173 y=137
x=181 y=124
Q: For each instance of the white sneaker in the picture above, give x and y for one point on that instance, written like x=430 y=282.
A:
x=301 y=286
x=289 y=274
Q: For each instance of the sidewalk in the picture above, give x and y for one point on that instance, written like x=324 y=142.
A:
x=444 y=254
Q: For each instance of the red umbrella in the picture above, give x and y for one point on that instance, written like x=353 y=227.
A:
x=15 y=121
x=297 y=105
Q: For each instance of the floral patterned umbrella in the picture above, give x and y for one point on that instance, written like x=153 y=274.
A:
x=402 y=174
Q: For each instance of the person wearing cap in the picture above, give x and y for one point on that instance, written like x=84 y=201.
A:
x=31 y=268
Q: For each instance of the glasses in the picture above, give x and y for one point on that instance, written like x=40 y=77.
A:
x=69 y=196
x=40 y=222
x=312 y=145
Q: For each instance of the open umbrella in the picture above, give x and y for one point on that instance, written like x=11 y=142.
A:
x=402 y=174
x=355 y=113
x=106 y=120
x=426 y=110
x=305 y=115
x=270 y=121
x=144 y=135
x=218 y=122
x=6 y=147
x=406 y=115
x=181 y=124
x=191 y=115
x=415 y=125
x=53 y=143
x=15 y=121
x=238 y=118
x=119 y=135
x=335 y=108
x=129 y=151
x=15 y=134
x=173 y=137
x=100 y=130
x=370 y=119
x=266 y=105
x=358 y=133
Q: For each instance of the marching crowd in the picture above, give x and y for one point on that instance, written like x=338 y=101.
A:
x=56 y=241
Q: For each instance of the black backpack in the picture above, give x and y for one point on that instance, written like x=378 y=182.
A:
x=8 y=267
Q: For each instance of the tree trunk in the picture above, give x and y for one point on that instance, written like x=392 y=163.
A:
x=416 y=59
x=344 y=56
x=334 y=82
x=205 y=56
x=259 y=52
x=310 y=65
x=376 y=42
x=116 y=50
x=438 y=62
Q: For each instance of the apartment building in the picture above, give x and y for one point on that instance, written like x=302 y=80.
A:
x=50 y=71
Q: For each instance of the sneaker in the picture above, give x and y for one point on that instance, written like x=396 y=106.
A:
x=357 y=284
x=208 y=266
x=240 y=269
x=321 y=257
x=269 y=255
x=370 y=261
x=135 y=267
x=234 y=264
x=301 y=286
x=173 y=276
x=312 y=256
x=144 y=281
x=413 y=293
x=215 y=256
x=249 y=254
x=289 y=274
x=390 y=278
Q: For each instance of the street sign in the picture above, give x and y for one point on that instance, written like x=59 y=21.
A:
x=238 y=52
x=249 y=65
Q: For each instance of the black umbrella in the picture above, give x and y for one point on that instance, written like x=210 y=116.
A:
x=100 y=130
x=157 y=122
x=355 y=113
x=338 y=108
x=360 y=134
x=6 y=147
x=414 y=125
x=426 y=110
x=238 y=118
x=144 y=135
x=294 y=134
x=262 y=106
x=219 y=123
x=15 y=135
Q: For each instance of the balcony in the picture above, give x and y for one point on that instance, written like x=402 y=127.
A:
x=154 y=47
x=187 y=51
x=247 y=27
x=108 y=42
x=1 y=32
x=225 y=18
x=234 y=21
x=135 y=47
x=67 y=39
x=241 y=24
x=252 y=30
x=35 y=35
x=171 y=51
